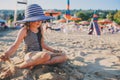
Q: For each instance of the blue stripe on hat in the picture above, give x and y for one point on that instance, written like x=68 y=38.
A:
x=33 y=13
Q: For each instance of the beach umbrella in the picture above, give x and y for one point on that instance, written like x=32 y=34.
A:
x=75 y=18
x=105 y=21
x=67 y=16
x=52 y=13
x=100 y=22
x=62 y=20
x=84 y=22
x=94 y=27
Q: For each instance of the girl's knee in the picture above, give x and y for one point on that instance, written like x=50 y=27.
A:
x=46 y=56
x=64 y=57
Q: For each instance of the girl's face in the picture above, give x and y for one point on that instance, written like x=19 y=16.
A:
x=36 y=24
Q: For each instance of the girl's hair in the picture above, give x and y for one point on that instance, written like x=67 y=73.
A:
x=27 y=25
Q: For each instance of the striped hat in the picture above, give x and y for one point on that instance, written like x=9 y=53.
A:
x=34 y=13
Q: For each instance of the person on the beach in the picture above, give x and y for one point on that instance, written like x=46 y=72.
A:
x=32 y=34
x=5 y=27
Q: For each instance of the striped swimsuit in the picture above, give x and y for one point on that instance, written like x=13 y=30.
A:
x=31 y=42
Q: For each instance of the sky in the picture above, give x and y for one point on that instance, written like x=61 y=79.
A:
x=61 y=4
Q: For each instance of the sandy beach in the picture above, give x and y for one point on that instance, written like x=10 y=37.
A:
x=90 y=57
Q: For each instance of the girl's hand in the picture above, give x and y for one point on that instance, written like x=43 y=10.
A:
x=58 y=51
x=3 y=58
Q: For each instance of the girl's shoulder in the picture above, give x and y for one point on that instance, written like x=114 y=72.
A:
x=23 y=31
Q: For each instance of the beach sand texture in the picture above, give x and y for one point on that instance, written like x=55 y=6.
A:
x=90 y=57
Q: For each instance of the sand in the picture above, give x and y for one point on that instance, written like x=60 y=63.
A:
x=91 y=57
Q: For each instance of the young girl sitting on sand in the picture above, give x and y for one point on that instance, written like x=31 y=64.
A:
x=32 y=34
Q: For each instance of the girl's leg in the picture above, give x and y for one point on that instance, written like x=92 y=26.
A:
x=57 y=58
x=34 y=58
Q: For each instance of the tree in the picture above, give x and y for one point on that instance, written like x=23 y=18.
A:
x=20 y=16
x=82 y=15
x=110 y=16
x=11 y=17
x=117 y=17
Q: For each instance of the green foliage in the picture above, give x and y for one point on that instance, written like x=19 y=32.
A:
x=11 y=17
x=20 y=16
x=82 y=15
x=117 y=17
x=110 y=16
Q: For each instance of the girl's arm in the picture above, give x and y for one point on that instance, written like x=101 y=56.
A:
x=10 y=51
x=44 y=45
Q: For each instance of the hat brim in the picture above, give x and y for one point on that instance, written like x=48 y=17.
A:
x=35 y=18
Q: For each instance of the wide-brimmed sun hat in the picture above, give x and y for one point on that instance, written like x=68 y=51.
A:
x=33 y=13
